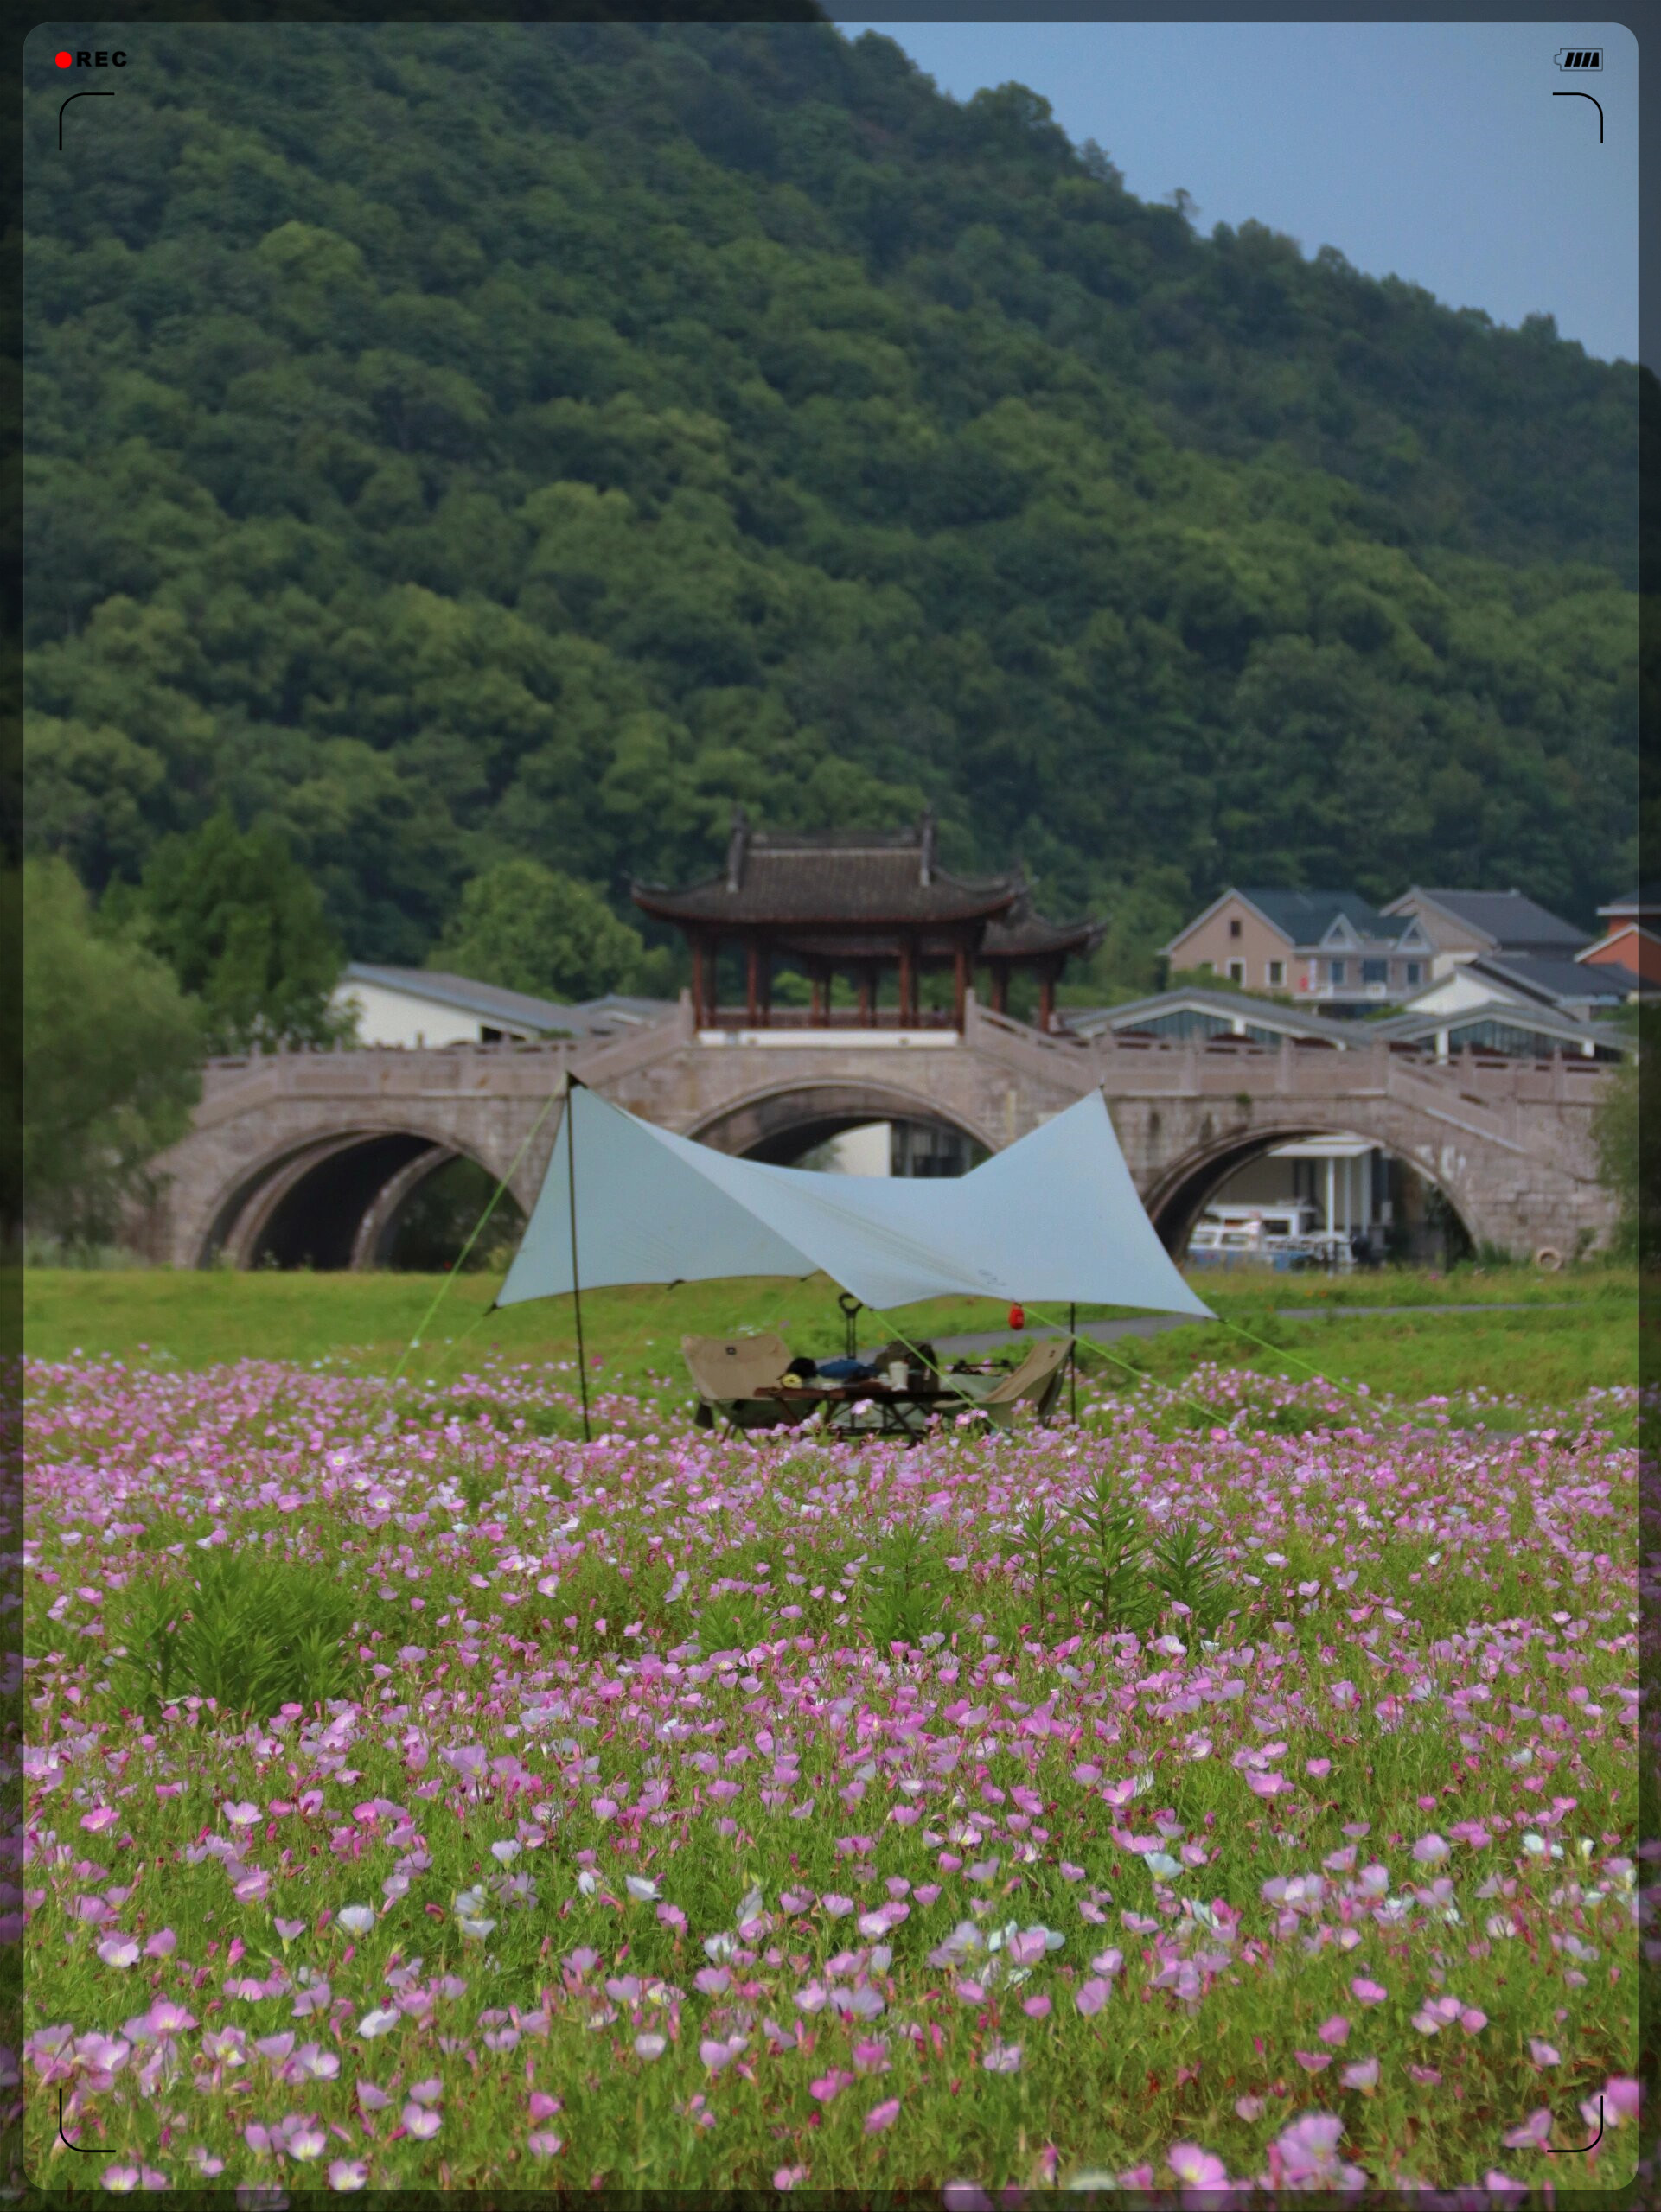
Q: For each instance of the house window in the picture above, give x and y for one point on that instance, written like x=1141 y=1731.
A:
x=1236 y=972
x=1335 y=972
x=1277 y=972
x=1233 y=927
x=1415 y=970
x=1375 y=971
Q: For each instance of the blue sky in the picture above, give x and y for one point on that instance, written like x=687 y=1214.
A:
x=1432 y=151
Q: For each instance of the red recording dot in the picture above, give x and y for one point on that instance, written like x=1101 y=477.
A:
x=66 y=60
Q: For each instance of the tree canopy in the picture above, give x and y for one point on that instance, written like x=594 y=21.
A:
x=111 y=1047
x=528 y=928
x=521 y=444
x=243 y=928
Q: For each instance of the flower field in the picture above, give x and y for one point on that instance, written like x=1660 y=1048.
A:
x=417 y=1797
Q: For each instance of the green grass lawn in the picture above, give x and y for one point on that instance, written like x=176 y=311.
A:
x=1575 y=1330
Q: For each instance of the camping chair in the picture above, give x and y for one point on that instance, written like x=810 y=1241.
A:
x=1037 y=1382
x=729 y=1371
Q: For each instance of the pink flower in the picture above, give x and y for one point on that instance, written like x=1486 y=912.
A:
x=1198 y=2169
x=883 y=2115
x=420 y=2123
x=1318 y=1768
x=1430 y=1849
x=101 y=1817
x=1534 y=2134
x=1090 y=1996
x=830 y=2085
x=118 y=1951
x=790 y=2176
x=1313 y=2061
x=1368 y=1992
x=347 y=2173
x=1622 y=2096
x=1543 y=2054
x=544 y=2144
x=1335 y=2030
x=1363 y=2076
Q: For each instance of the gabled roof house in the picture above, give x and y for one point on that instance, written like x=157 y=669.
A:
x=1330 y=951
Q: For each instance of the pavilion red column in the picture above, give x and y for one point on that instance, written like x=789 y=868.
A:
x=700 y=986
x=753 y=983
x=959 y=982
x=908 y=985
x=865 y=1022
x=1046 y=998
x=817 y=1011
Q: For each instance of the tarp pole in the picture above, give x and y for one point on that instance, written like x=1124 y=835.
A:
x=572 y=1087
x=1072 y=1362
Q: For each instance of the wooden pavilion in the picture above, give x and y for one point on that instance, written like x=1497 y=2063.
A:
x=861 y=904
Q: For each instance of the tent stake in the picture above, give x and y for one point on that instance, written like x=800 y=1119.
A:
x=572 y=1087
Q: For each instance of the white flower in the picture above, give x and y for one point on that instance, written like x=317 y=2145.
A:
x=356 y=1920
x=506 y=1852
x=377 y=2022
x=642 y=1890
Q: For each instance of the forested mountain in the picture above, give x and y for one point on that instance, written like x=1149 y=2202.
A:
x=458 y=443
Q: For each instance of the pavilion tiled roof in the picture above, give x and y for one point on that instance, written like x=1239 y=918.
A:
x=1024 y=934
x=844 y=877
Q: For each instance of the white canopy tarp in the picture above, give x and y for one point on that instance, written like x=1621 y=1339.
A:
x=1054 y=1219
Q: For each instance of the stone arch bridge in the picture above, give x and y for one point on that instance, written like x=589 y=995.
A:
x=309 y=1156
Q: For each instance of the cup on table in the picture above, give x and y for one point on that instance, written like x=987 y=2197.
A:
x=897 y=1374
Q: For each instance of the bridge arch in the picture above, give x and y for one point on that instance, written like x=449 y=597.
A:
x=784 y=1121
x=1176 y=1196
x=333 y=1203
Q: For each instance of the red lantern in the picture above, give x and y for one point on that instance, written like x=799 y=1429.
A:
x=1017 y=1317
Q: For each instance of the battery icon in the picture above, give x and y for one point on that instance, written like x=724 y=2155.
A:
x=1578 y=57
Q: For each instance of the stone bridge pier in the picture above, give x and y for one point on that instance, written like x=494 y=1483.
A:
x=308 y=1158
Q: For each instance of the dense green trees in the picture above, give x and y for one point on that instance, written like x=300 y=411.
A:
x=523 y=446
x=528 y=928
x=111 y=1047
x=243 y=928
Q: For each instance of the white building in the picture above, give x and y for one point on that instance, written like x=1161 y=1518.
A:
x=410 y=1007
